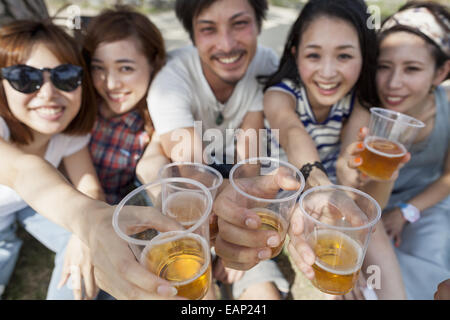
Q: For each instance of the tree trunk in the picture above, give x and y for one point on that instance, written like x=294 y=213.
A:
x=11 y=10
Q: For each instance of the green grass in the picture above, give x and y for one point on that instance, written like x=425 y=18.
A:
x=32 y=272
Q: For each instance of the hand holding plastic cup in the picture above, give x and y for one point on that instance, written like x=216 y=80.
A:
x=338 y=222
x=174 y=251
x=390 y=136
x=208 y=176
x=274 y=207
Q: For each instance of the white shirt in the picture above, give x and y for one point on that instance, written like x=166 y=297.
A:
x=59 y=147
x=180 y=95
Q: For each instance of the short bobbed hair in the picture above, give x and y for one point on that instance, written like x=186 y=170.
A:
x=17 y=40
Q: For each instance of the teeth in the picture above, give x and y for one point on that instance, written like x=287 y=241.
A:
x=230 y=59
x=117 y=96
x=394 y=99
x=327 y=86
x=49 y=111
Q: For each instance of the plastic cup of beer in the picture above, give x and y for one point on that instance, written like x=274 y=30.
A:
x=208 y=176
x=274 y=207
x=338 y=222
x=177 y=252
x=390 y=135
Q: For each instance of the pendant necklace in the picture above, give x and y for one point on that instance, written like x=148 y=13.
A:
x=219 y=118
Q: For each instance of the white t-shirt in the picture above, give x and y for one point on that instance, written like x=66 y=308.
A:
x=180 y=95
x=59 y=147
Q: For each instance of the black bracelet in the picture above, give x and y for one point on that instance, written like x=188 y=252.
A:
x=307 y=168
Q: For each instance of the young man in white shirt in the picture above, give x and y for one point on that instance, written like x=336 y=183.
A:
x=215 y=83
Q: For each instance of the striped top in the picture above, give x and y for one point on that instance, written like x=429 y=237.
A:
x=326 y=134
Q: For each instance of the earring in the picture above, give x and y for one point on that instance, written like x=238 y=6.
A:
x=432 y=88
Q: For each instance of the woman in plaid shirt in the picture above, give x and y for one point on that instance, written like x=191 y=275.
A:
x=124 y=51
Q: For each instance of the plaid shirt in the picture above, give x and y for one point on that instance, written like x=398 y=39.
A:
x=116 y=146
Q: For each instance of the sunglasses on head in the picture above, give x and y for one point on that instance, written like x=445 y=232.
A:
x=26 y=79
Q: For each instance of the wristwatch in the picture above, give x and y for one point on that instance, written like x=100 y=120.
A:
x=410 y=212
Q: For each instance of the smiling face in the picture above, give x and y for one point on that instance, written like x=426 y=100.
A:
x=329 y=60
x=121 y=74
x=225 y=35
x=49 y=110
x=406 y=71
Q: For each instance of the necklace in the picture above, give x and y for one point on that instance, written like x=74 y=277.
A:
x=219 y=118
x=219 y=108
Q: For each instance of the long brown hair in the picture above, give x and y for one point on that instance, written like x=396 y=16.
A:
x=120 y=23
x=17 y=40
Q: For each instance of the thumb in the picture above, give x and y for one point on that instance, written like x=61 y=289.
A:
x=268 y=186
x=285 y=180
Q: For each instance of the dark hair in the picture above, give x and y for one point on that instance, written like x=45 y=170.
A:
x=351 y=11
x=442 y=16
x=187 y=10
x=120 y=23
x=17 y=39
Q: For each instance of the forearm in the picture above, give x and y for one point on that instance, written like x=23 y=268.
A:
x=301 y=150
x=380 y=191
x=91 y=188
x=248 y=142
x=147 y=169
x=433 y=194
x=81 y=172
x=380 y=253
x=182 y=145
x=50 y=194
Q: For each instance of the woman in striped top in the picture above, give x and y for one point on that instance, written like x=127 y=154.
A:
x=320 y=94
x=319 y=99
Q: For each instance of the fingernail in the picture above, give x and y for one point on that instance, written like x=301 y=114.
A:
x=360 y=145
x=358 y=160
x=165 y=290
x=264 y=254
x=273 y=241
x=361 y=130
x=251 y=223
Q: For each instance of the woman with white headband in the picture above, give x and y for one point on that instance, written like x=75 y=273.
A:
x=414 y=59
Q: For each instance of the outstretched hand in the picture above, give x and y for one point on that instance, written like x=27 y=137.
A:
x=347 y=164
x=239 y=242
x=78 y=265
x=299 y=249
x=115 y=267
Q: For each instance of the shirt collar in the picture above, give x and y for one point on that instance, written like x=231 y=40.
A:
x=131 y=120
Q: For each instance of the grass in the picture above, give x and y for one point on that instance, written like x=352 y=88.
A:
x=33 y=271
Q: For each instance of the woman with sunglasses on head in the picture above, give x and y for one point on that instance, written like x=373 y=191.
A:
x=46 y=110
x=124 y=50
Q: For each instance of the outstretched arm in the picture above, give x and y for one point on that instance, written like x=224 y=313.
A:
x=279 y=109
x=48 y=192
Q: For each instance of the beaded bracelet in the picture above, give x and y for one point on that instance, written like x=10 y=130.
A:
x=307 y=168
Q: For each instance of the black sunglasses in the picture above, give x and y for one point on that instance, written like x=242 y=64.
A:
x=26 y=79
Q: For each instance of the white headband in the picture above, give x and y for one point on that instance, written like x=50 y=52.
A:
x=423 y=21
